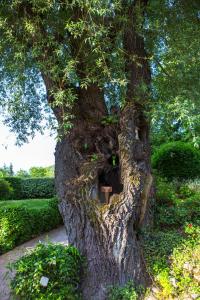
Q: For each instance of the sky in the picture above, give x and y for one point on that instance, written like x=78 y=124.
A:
x=38 y=152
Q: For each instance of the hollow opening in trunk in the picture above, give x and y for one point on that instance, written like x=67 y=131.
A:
x=109 y=182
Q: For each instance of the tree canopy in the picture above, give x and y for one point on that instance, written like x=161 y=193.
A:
x=54 y=48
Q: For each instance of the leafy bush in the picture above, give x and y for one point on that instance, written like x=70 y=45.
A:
x=185 y=271
x=19 y=224
x=177 y=160
x=165 y=191
x=127 y=292
x=176 y=215
x=189 y=188
x=16 y=184
x=26 y=188
x=174 y=262
x=61 y=265
x=5 y=189
x=38 y=188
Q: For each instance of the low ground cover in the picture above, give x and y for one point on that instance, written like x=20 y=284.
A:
x=172 y=247
x=22 y=220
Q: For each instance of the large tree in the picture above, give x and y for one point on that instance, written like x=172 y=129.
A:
x=92 y=59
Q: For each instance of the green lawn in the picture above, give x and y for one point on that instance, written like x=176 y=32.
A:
x=28 y=203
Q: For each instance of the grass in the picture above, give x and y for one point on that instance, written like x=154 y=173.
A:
x=28 y=203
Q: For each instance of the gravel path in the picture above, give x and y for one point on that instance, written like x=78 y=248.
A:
x=57 y=236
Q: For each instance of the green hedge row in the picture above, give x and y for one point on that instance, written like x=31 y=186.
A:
x=25 y=188
x=19 y=224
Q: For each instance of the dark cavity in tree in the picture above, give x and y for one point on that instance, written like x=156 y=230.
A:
x=110 y=176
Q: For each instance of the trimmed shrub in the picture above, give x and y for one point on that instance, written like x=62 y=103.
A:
x=19 y=224
x=16 y=183
x=38 y=188
x=177 y=160
x=5 y=189
x=30 y=188
x=61 y=265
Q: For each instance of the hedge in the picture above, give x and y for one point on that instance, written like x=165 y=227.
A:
x=16 y=184
x=25 y=188
x=20 y=224
x=177 y=160
x=38 y=188
x=6 y=189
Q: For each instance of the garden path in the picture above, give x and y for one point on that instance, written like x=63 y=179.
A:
x=57 y=235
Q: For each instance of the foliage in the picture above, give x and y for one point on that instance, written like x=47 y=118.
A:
x=177 y=160
x=6 y=171
x=178 y=213
x=172 y=39
x=189 y=188
x=61 y=265
x=16 y=184
x=165 y=191
x=31 y=58
x=127 y=292
x=19 y=224
x=38 y=188
x=25 y=188
x=5 y=189
x=41 y=172
x=22 y=173
x=171 y=248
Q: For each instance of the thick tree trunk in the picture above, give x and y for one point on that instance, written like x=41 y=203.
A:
x=107 y=233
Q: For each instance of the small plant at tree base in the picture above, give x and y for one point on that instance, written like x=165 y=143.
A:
x=59 y=264
x=127 y=292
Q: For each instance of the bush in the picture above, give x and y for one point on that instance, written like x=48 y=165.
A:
x=38 y=188
x=19 y=224
x=61 y=265
x=177 y=214
x=173 y=260
x=165 y=191
x=5 y=189
x=26 y=188
x=172 y=247
x=177 y=160
x=16 y=184
x=189 y=188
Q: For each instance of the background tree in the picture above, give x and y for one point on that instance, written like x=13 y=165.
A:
x=42 y=171
x=7 y=170
x=92 y=59
x=22 y=173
